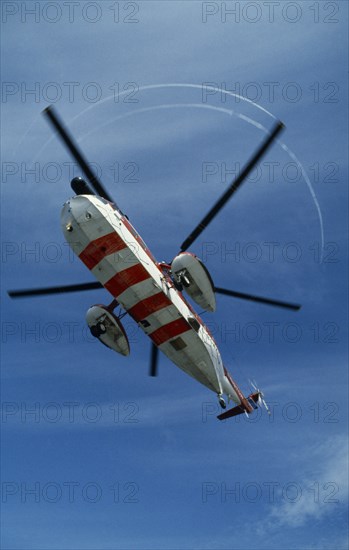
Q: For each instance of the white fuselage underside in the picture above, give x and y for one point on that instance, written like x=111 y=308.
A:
x=107 y=243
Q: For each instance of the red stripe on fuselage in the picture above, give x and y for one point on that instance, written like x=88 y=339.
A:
x=175 y=328
x=100 y=248
x=126 y=278
x=148 y=306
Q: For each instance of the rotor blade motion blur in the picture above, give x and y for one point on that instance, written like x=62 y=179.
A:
x=54 y=290
x=260 y=299
x=57 y=124
x=154 y=360
x=233 y=187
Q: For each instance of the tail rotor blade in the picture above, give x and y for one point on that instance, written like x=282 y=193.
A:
x=266 y=406
x=253 y=384
x=68 y=140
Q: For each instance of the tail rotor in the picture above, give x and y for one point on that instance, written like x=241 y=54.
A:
x=259 y=395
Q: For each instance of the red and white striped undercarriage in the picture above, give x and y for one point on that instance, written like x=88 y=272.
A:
x=110 y=247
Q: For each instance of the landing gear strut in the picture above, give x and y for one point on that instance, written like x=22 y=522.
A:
x=182 y=279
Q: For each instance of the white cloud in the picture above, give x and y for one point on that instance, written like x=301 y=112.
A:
x=322 y=492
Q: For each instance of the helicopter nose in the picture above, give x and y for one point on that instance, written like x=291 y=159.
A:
x=75 y=210
x=76 y=217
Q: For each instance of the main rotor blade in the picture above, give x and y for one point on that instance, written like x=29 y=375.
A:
x=58 y=125
x=233 y=187
x=53 y=290
x=154 y=360
x=260 y=299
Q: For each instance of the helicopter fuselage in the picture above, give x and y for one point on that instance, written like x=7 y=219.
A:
x=105 y=241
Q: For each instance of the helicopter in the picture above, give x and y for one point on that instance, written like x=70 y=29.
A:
x=154 y=294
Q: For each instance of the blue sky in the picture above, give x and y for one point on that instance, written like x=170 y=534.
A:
x=117 y=460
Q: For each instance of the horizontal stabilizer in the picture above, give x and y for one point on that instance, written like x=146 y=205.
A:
x=232 y=412
x=252 y=401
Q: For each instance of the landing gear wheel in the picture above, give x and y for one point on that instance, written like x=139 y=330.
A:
x=185 y=281
x=222 y=402
x=98 y=330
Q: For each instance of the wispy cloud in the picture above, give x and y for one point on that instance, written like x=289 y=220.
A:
x=320 y=498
